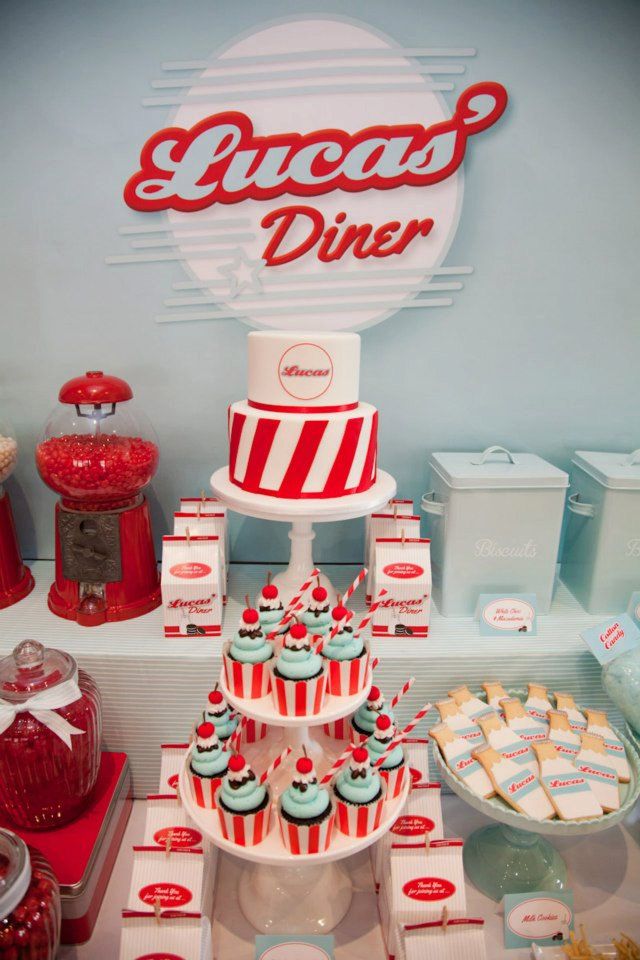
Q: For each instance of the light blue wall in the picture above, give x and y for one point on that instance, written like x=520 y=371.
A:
x=540 y=352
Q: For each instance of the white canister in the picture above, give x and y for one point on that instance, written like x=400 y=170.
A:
x=601 y=553
x=494 y=520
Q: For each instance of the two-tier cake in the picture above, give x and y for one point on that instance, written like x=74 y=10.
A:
x=302 y=432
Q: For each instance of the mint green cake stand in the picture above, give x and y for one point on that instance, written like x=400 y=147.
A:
x=513 y=855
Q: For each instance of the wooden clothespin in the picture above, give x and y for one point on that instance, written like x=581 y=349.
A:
x=402 y=537
x=168 y=843
x=444 y=919
x=178 y=794
x=187 y=534
x=427 y=839
x=395 y=511
x=157 y=909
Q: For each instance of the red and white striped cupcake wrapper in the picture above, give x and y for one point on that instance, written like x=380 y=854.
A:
x=348 y=677
x=253 y=732
x=247 y=680
x=355 y=736
x=204 y=789
x=299 y=698
x=360 y=821
x=248 y=830
x=338 y=729
x=299 y=839
x=395 y=778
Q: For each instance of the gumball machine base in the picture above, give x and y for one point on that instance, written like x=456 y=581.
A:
x=16 y=581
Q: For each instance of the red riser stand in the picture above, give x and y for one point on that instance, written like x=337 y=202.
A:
x=138 y=591
x=16 y=580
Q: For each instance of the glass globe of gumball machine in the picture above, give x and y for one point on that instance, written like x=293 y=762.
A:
x=98 y=452
x=16 y=580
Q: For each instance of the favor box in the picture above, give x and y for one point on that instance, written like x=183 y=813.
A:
x=174 y=882
x=494 y=520
x=209 y=505
x=435 y=940
x=391 y=523
x=173 y=935
x=403 y=568
x=167 y=822
x=171 y=762
x=421 y=817
x=601 y=555
x=191 y=586
x=209 y=524
x=422 y=883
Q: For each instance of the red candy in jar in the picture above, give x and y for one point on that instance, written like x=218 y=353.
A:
x=97 y=450
x=50 y=734
x=29 y=902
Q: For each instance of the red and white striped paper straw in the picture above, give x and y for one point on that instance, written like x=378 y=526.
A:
x=340 y=762
x=233 y=742
x=275 y=764
x=329 y=637
x=372 y=609
x=354 y=586
x=294 y=605
x=399 y=738
x=401 y=692
x=375 y=662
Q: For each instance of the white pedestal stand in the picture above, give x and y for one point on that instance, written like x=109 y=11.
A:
x=302 y=514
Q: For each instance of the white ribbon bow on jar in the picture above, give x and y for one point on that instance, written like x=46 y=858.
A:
x=42 y=706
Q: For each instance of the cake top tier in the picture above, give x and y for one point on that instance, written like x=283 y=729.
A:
x=299 y=370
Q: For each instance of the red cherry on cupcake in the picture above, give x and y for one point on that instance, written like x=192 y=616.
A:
x=374 y=694
x=250 y=616
x=304 y=766
x=206 y=730
x=237 y=763
x=383 y=722
x=339 y=613
x=215 y=698
x=270 y=592
x=319 y=594
x=360 y=755
x=298 y=631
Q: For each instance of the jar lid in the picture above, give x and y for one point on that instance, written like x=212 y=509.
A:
x=32 y=668
x=15 y=872
x=497 y=467
x=620 y=471
x=95 y=387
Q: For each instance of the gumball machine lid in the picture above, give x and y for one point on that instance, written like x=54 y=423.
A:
x=32 y=668
x=15 y=871
x=95 y=387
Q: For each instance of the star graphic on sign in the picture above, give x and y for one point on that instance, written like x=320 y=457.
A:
x=243 y=272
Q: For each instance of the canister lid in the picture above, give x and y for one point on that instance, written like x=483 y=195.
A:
x=616 y=470
x=32 y=668
x=95 y=387
x=497 y=467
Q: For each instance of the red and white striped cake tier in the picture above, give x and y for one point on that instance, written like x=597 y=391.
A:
x=303 y=455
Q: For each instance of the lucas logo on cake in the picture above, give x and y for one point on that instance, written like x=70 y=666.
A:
x=305 y=371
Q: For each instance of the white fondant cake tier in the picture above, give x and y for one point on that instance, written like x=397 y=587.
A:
x=298 y=456
x=296 y=370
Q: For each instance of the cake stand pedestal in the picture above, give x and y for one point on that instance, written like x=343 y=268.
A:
x=302 y=514
x=513 y=854
x=308 y=893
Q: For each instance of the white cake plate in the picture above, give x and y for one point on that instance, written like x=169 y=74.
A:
x=310 y=893
x=302 y=514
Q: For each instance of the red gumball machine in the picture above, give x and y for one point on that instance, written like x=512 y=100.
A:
x=98 y=452
x=15 y=579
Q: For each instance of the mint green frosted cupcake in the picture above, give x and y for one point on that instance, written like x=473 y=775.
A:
x=270 y=607
x=317 y=616
x=249 y=644
x=358 y=783
x=297 y=660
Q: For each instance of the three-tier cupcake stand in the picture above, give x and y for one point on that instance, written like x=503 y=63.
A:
x=278 y=891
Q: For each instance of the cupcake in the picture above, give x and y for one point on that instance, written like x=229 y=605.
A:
x=217 y=712
x=347 y=656
x=305 y=812
x=317 y=616
x=363 y=722
x=394 y=768
x=360 y=793
x=298 y=675
x=270 y=607
x=244 y=804
x=207 y=765
x=245 y=659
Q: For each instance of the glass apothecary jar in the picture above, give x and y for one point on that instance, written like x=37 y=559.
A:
x=30 y=914
x=50 y=734
x=621 y=681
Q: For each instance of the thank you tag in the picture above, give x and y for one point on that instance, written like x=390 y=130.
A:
x=294 y=948
x=612 y=637
x=512 y=615
x=541 y=918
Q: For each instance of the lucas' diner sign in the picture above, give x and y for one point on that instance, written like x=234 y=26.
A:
x=339 y=162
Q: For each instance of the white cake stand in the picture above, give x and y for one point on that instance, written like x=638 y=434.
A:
x=309 y=893
x=302 y=514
